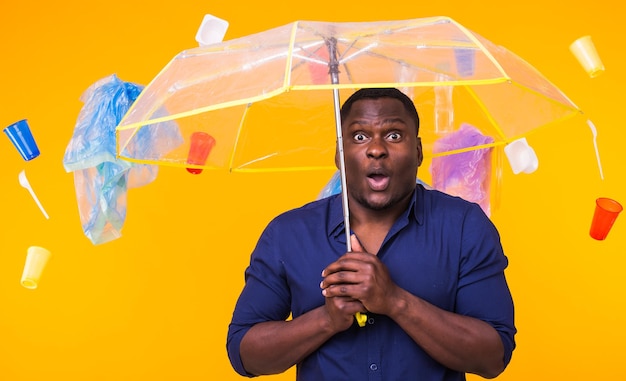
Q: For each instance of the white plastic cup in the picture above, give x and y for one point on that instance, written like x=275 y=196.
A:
x=522 y=157
x=211 y=31
x=36 y=259
x=585 y=52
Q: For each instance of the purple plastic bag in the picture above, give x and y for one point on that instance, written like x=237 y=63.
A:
x=466 y=174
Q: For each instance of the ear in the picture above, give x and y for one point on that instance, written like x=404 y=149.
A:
x=420 y=153
x=337 y=155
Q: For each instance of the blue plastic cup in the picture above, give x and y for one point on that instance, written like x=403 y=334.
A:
x=21 y=137
x=465 y=61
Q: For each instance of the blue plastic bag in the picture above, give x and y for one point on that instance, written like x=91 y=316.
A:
x=101 y=180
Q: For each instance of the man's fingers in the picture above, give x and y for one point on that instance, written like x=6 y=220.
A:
x=356 y=245
x=343 y=289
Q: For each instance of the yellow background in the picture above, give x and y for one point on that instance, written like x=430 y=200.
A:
x=155 y=304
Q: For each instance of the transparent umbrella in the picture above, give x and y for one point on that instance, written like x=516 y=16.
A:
x=270 y=101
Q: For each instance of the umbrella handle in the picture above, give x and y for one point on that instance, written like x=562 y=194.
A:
x=361 y=318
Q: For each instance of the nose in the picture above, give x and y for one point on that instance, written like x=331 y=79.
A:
x=376 y=149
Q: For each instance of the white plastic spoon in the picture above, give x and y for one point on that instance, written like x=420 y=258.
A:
x=24 y=183
x=594 y=132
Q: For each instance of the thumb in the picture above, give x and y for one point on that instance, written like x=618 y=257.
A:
x=356 y=245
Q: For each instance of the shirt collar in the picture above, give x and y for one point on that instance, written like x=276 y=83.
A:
x=336 y=225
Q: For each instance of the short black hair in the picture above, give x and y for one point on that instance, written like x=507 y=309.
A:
x=375 y=93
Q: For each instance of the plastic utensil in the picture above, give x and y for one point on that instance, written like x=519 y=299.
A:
x=594 y=133
x=24 y=183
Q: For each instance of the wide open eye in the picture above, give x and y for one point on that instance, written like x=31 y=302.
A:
x=394 y=136
x=359 y=137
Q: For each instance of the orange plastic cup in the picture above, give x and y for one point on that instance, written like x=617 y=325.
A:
x=604 y=216
x=201 y=145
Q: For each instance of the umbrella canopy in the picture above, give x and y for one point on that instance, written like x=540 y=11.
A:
x=266 y=101
x=270 y=101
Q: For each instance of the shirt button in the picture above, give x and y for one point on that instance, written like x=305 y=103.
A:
x=370 y=320
x=374 y=367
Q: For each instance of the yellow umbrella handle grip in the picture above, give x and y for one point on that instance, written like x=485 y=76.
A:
x=360 y=319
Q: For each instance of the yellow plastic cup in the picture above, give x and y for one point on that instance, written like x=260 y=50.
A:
x=585 y=52
x=36 y=260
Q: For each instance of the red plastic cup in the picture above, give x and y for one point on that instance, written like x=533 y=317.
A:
x=201 y=145
x=319 y=70
x=604 y=216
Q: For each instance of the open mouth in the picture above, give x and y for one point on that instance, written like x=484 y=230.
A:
x=378 y=181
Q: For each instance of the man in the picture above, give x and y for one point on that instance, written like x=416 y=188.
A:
x=426 y=268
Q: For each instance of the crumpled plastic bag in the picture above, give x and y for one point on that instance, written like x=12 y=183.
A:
x=101 y=179
x=333 y=186
x=465 y=174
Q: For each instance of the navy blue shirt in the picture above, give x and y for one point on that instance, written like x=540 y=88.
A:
x=442 y=249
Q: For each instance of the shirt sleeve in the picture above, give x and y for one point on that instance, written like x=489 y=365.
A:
x=265 y=296
x=483 y=291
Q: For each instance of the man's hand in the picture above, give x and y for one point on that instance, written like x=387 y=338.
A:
x=358 y=282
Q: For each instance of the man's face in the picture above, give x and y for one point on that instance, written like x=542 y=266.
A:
x=382 y=153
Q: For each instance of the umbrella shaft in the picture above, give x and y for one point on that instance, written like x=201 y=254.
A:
x=333 y=70
x=342 y=170
x=333 y=65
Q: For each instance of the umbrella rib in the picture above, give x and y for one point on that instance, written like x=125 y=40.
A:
x=288 y=63
x=131 y=110
x=201 y=110
x=482 y=47
x=179 y=85
x=550 y=99
x=236 y=144
x=344 y=64
x=496 y=125
x=364 y=50
x=311 y=56
x=282 y=169
x=367 y=50
x=485 y=112
x=479 y=82
x=467 y=149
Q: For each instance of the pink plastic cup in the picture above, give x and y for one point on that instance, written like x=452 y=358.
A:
x=604 y=216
